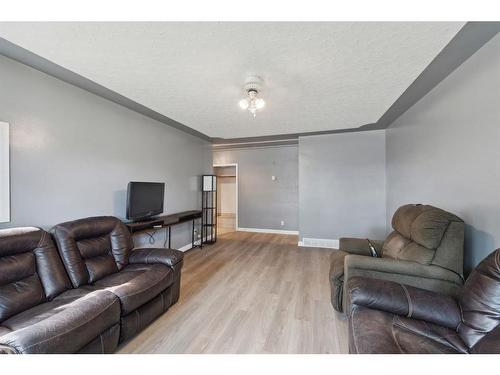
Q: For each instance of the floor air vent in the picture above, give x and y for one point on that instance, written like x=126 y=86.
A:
x=319 y=242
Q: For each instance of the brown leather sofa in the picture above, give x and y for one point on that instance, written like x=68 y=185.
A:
x=87 y=294
x=424 y=250
x=387 y=317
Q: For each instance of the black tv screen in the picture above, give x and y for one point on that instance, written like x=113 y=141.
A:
x=144 y=199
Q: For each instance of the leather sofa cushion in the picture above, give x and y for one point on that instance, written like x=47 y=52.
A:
x=136 y=321
x=137 y=284
x=489 y=344
x=20 y=295
x=168 y=257
x=31 y=271
x=17 y=267
x=7 y=350
x=100 y=266
x=97 y=255
x=378 y=332
x=4 y=331
x=404 y=300
x=63 y=325
x=93 y=248
x=105 y=343
x=480 y=301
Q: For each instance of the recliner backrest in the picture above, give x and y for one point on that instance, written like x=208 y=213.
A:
x=31 y=271
x=93 y=248
x=427 y=235
x=480 y=305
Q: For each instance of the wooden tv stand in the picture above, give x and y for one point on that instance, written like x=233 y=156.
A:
x=167 y=221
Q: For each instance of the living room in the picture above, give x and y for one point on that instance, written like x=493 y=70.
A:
x=171 y=186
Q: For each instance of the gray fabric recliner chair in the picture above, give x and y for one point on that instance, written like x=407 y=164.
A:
x=425 y=250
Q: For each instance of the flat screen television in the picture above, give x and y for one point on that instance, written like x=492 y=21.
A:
x=144 y=200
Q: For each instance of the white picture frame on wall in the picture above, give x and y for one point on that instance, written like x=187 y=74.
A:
x=4 y=173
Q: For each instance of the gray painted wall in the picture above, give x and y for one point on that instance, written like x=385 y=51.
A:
x=445 y=151
x=342 y=185
x=263 y=203
x=73 y=153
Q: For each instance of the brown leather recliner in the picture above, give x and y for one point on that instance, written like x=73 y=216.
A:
x=97 y=253
x=39 y=311
x=425 y=250
x=387 y=317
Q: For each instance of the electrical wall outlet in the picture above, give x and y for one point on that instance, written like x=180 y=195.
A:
x=273 y=178
x=282 y=223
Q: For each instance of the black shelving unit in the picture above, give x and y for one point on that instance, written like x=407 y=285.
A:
x=208 y=209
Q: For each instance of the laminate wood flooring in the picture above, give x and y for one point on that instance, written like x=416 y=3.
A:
x=249 y=293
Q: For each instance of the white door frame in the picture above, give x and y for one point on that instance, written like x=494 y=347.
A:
x=232 y=165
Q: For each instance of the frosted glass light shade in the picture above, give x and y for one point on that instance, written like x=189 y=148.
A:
x=243 y=104
x=252 y=103
x=260 y=103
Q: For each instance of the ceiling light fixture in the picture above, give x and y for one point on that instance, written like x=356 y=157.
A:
x=252 y=102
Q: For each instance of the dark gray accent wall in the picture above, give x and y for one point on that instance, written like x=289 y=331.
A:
x=342 y=185
x=262 y=202
x=445 y=151
x=73 y=153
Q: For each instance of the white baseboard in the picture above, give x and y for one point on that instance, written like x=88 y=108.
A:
x=319 y=242
x=273 y=231
x=189 y=246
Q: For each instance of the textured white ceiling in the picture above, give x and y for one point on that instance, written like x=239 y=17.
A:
x=317 y=76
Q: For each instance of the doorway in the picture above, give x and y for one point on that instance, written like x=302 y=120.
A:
x=227 y=197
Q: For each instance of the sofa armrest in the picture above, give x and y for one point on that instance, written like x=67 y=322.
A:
x=404 y=300
x=369 y=266
x=359 y=245
x=168 y=257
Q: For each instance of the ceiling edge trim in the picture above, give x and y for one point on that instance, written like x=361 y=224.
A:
x=263 y=144
x=19 y=54
x=281 y=137
x=462 y=46
x=470 y=38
